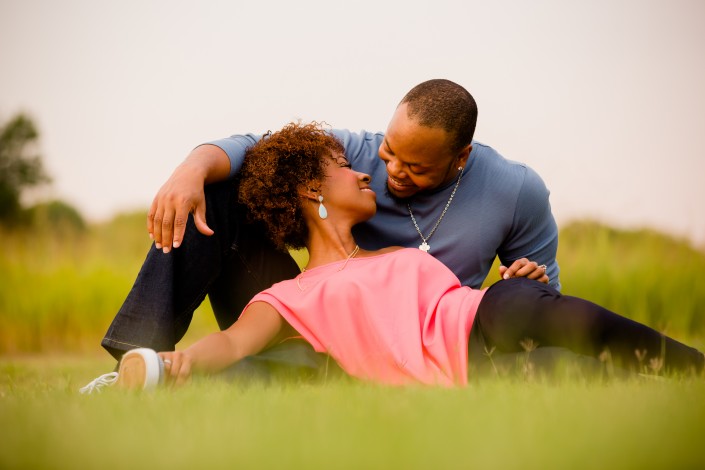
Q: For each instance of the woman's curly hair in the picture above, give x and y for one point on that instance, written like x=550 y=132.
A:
x=275 y=170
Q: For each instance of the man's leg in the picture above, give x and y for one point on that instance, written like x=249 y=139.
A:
x=230 y=266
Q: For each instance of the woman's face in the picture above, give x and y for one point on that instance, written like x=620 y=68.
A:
x=347 y=192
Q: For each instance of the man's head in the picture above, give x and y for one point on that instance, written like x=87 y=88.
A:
x=429 y=137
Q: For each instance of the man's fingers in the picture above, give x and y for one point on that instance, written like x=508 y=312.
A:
x=533 y=271
x=173 y=212
x=157 y=228
x=525 y=268
x=515 y=269
x=167 y=232
x=540 y=276
x=167 y=223
x=180 y=225
x=150 y=218
x=199 y=218
x=537 y=274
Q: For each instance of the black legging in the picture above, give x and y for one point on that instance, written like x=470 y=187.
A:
x=514 y=310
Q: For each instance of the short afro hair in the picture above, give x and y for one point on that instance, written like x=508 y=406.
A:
x=442 y=103
x=274 y=171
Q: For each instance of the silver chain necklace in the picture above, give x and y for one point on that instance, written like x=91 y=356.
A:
x=425 y=246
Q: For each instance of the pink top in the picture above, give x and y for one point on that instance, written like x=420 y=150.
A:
x=396 y=318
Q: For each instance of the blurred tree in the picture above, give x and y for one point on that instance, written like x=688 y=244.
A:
x=56 y=216
x=20 y=164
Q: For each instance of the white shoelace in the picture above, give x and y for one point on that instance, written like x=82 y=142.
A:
x=97 y=384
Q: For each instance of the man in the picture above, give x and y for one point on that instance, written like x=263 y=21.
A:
x=437 y=190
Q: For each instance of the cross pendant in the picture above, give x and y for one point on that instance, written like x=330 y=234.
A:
x=424 y=247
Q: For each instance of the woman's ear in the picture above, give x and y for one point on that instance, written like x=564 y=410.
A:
x=309 y=193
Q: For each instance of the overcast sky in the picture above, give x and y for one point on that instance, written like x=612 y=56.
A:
x=604 y=98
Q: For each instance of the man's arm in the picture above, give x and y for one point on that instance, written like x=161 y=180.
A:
x=214 y=161
x=534 y=233
x=183 y=191
x=182 y=194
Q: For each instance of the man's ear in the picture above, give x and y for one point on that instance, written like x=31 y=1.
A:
x=463 y=155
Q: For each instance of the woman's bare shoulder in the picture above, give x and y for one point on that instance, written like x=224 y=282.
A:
x=383 y=251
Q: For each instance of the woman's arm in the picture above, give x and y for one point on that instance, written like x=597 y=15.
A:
x=259 y=326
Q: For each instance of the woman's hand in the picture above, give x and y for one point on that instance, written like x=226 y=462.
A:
x=177 y=367
x=525 y=268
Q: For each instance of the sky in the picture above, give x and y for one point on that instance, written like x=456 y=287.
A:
x=603 y=98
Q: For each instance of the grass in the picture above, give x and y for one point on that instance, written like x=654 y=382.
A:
x=345 y=424
x=60 y=291
x=642 y=274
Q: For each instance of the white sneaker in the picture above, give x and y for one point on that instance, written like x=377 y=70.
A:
x=140 y=369
x=97 y=384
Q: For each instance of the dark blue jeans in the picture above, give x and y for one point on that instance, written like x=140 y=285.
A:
x=230 y=267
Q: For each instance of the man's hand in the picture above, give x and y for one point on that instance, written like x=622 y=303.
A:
x=524 y=268
x=180 y=195
x=183 y=194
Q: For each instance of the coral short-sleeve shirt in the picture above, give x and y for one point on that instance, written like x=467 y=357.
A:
x=395 y=318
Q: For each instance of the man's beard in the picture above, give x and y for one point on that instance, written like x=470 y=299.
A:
x=395 y=198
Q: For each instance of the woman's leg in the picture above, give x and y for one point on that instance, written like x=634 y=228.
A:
x=517 y=310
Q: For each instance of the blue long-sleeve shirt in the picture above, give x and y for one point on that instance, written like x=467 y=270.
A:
x=500 y=208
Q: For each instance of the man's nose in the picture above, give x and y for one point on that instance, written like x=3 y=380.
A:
x=393 y=166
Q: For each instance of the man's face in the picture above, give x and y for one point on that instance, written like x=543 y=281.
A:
x=418 y=158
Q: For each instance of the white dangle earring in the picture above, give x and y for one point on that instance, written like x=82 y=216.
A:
x=322 y=212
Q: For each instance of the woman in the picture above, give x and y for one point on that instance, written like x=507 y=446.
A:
x=395 y=315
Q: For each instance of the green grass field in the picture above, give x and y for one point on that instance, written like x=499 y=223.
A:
x=211 y=423
x=59 y=292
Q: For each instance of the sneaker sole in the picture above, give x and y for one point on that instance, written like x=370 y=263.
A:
x=140 y=369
